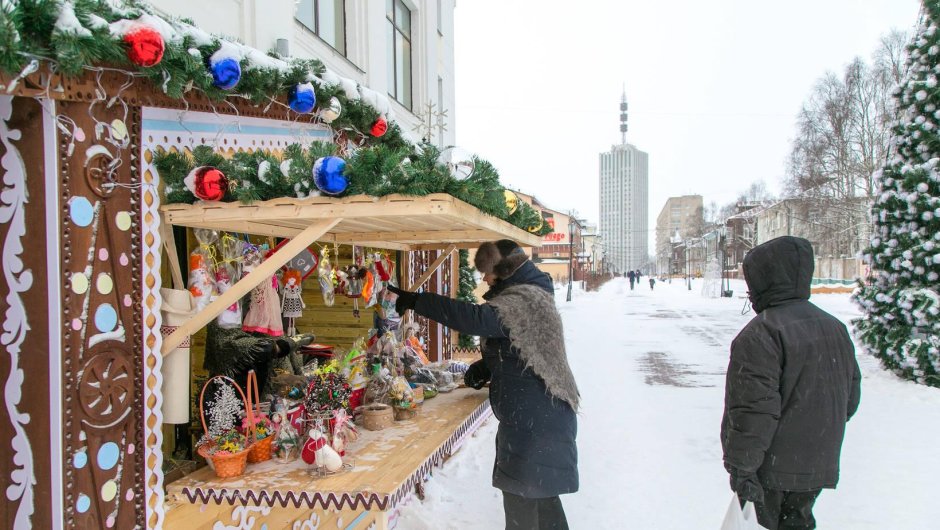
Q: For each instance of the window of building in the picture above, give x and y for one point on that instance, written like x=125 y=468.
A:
x=399 y=51
x=326 y=19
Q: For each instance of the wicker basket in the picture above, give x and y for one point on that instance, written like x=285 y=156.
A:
x=261 y=450
x=405 y=413
x=225 y=466
x=228 y=465
x=376 y=416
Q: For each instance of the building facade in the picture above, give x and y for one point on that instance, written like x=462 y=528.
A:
x=400 y=48
x=683 y=217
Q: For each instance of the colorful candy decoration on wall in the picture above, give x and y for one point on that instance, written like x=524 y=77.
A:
x=144 y=46
x=226 y=72
x=379 y=127
x=302 y=98
x=328 y=175
x=331 y=112
x=207 y=183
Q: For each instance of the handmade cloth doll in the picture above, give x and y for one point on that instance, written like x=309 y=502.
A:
x=232 y=316
x=292 y=304
x=264 y=314
x=202 y=263
x=326 y=276
x=200 y=281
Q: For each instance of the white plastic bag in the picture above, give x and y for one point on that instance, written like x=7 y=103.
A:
x=740 y=519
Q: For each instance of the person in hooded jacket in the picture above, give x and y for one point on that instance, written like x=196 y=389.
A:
x=792 y=384
x=532 y=390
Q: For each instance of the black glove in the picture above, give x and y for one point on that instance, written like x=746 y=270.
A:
x=747 y=486
x=477 y=375
x=406 y=299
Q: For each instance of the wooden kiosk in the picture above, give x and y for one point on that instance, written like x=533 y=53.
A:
x=390 y=464
x=87 y=245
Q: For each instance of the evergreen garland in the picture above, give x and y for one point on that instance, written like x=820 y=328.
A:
x=902 y=305
x=376 y=171
x=465 y=289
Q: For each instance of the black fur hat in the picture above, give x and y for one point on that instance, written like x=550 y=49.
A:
x=501 y=258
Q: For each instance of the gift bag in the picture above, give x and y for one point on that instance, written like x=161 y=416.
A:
x=740 y=519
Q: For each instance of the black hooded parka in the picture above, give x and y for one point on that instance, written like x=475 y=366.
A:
x=792 y=382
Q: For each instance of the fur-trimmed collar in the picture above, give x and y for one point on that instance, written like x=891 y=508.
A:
x=528 y=313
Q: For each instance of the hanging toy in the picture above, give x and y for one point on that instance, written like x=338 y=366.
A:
x=328 y=175
x=226 y=72
x=200 y=280
x=302 y=98
x=329 y=114
x=231 y=318
x=379 y=127
x=207 y=183
x=263 y=314
x=292 y=303
x=354 y=282
x=144 y=46
x=325 y=277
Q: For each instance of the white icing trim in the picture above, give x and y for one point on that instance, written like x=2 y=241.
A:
x=53 y=234
x=15 y=324
x=152 y=474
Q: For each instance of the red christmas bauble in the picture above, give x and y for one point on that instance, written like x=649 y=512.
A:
x=379 y=127
x=144 y=46
x=207 y=183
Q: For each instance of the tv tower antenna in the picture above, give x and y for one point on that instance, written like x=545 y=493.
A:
x=623 y=115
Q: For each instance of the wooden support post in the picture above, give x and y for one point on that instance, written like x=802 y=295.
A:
x=259 y=274
x=434 y=266
x=169 y=241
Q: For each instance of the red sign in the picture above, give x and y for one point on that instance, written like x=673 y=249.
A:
x=554 y=237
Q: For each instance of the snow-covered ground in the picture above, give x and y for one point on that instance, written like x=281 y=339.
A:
x=650 y=367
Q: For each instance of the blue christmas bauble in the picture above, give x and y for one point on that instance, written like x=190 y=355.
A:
x=328 y=175
x=302 y=98
x=226 y=73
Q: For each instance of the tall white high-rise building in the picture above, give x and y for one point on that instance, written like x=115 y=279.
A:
x=624 y=202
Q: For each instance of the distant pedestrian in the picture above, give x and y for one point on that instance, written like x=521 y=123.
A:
x=632 y=276
x=792 y=384
x=652 y=282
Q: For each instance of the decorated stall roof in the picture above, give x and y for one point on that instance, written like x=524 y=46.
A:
x=394 y=221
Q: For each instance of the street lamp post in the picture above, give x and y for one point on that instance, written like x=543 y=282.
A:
x=570 y=255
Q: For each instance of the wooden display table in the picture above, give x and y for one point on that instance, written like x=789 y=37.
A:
x=389 y=465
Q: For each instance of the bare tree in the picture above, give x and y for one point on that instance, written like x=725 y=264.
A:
x=842 y=140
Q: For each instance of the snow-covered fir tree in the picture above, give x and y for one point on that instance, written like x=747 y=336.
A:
x=902 y=322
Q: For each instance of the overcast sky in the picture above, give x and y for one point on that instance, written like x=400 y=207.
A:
x=714 y=87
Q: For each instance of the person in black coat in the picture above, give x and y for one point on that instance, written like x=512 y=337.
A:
x=532 y=389
x=792 y=384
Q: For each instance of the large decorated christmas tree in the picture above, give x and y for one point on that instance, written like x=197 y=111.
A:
x=902 y=322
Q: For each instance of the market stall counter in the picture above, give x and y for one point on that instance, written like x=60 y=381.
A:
x=388 y=468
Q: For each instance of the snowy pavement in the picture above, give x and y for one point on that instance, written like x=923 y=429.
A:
x=650 y=367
